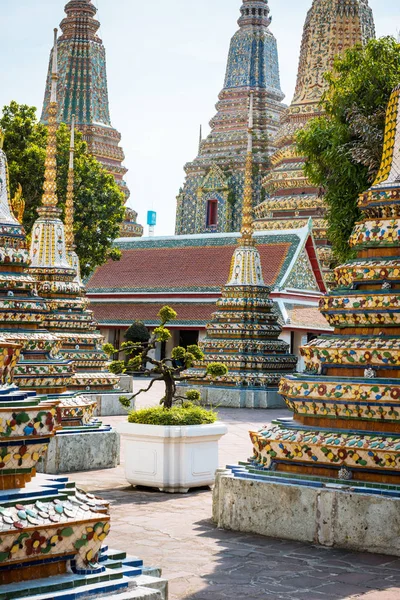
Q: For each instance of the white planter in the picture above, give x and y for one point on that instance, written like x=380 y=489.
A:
x=173 y=459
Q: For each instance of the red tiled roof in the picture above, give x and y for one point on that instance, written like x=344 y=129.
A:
x=191 y=314
x=127 y=312
x=307 y=316
x=181 y=268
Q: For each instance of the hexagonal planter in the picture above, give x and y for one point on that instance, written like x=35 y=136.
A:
x=173 y=459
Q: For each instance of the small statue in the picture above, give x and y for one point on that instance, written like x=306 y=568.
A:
x=369 y=373
x=345 y=474
x=18 y=204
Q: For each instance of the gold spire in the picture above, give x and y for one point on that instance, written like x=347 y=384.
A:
x=69 y=206
x=390 y=166
x=1 y=138
x=247 y=220
x=18 y=204
x=49 y=198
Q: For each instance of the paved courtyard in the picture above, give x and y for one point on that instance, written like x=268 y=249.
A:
x=202 y=562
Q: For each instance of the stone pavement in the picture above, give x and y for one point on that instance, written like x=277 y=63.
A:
x=204 y=563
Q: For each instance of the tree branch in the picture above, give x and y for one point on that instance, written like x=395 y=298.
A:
x=152 y=382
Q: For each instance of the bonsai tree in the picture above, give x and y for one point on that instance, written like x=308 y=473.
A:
x=167 y=369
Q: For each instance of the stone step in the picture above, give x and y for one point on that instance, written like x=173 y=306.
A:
x=49 y=589
x=140 y=593
x=154 y=583
x=108 y=583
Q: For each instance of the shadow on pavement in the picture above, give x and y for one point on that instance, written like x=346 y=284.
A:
x=260 y=568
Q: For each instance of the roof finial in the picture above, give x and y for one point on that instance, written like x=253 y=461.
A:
x=69 y=205
x=49 y=198
x=200 y=137
x=247 y=220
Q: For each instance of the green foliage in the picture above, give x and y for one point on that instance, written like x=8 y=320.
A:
x=125 y=402
x=137 y=333
x=344 y=148
x=196 y=351
x=167 y=314
x=177 y=415
x=131 y=348
x=189 y=360
x=109 y=349
x=162 y=334
x=117 y=367
x=135 y=364
x=216 y=369
x=99 y=208
x=193 y=396
x=178 y=353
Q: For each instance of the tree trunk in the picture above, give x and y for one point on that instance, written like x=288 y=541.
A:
x=169 y=391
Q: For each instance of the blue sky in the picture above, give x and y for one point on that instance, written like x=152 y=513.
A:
x=166 y=65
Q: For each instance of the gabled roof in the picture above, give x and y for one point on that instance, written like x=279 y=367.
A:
x=198 y=263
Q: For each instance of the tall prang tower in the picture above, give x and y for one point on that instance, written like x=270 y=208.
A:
x=331 y=27
x=212 y=197
x=83 y=92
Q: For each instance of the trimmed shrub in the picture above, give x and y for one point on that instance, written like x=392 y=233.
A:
x=177 y=415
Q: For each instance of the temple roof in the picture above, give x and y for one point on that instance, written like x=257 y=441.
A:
x=188 y=273
x=196 y=263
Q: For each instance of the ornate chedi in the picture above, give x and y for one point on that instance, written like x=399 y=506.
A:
x=331 y=27
x=347 y=404
x=21 y=310
x=51 y=533
x=38 y=537
x=244 y=331
x=55 y=266
x=83 y=91
x=212 y=197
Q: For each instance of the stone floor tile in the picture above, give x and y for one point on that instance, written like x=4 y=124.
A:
x=356 y=578
x=205 y=563
x=341 y=590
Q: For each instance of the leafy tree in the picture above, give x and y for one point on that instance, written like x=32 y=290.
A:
x=166 y=370
x=99 y=203
x=344 y=147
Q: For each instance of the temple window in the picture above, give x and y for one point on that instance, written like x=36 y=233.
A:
x=212 y=213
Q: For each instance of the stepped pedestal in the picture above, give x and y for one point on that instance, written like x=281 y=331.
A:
x=91 y=447
x=308 y=509
x=237 y=398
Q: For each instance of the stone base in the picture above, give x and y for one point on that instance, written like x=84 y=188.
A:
x=331 y=515
x=126 y=383
x=108 y=404
x=80 y=450
x=236 y=397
